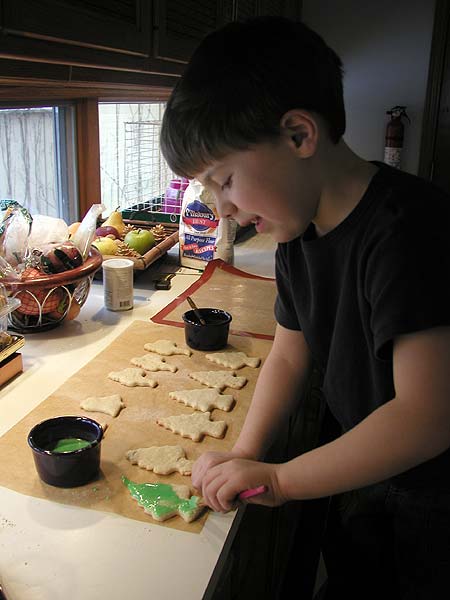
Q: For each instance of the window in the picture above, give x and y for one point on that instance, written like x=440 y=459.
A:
x=134 y=173
x=37 y=160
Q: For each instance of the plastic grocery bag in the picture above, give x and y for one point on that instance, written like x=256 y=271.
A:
x=85 y=234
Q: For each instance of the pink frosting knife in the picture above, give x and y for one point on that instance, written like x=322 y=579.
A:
x=252 y=492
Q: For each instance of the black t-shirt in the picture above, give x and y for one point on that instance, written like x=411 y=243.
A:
x=382 y=272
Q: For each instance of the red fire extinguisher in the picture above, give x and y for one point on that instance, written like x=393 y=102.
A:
x=395 y=131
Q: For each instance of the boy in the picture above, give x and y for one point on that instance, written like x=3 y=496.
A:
x=361 y=270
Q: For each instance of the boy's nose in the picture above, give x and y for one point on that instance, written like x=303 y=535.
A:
x=225 y=208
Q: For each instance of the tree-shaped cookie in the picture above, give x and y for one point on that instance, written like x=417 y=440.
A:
x=219 y=379
x=194 y=426
x=150 y=362
x=166 y=348
x=203 y=399
x=162 y=460
x=233 y=360
x=132 y=377
x=162 y=501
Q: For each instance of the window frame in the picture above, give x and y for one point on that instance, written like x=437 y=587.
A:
x=87 y=140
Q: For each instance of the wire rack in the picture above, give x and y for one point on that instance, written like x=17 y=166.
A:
x=146 y=172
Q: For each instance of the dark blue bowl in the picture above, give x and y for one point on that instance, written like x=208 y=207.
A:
x=213 y=335
x=66 y=469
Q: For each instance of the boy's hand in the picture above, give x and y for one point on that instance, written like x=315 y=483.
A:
x=205 y=462
x=223 y=482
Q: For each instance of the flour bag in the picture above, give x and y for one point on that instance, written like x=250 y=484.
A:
x=204 y=236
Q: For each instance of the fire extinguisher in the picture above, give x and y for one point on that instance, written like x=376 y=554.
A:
x=395 y=131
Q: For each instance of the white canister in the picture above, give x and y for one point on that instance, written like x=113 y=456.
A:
x=118 y=283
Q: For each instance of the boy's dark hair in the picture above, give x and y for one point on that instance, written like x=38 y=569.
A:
x=239 y=83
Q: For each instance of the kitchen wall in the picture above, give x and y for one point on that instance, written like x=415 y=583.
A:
x=385 y=47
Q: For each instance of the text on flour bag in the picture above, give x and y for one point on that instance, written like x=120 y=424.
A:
x=203 y=235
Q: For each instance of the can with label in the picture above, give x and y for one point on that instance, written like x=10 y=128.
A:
x=118 y=283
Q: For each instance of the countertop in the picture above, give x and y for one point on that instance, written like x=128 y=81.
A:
x=50 y=551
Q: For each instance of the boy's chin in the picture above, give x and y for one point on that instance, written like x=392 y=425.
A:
x=284 y=236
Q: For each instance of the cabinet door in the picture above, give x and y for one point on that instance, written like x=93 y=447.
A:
x=180 y=25
x=244 y=9
x=119 y=25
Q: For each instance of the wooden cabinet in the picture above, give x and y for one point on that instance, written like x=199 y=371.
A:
x=117 y=25
x=126 y=44
x=181 y=24
x=104 y=42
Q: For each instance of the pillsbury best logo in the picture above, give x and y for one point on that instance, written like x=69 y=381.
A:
x=199 y=216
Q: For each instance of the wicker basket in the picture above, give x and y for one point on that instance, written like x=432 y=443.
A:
x=49 y=299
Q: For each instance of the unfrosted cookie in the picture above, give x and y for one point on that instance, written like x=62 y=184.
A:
x=203 y=400
x=233 y=360
x=162 y=460
x=132 y=377
x=194 y=426
x=166 y=348
x=111 y=405
x=219 y=379
x=162 y=501
x=149 y=362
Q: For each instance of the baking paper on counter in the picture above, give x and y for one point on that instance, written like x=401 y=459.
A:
x=134 y=427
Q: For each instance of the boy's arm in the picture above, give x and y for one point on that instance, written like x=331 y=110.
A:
x=406 y=431
x=277 y=390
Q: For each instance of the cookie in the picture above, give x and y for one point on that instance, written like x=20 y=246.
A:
x=132 y=377
x=162 y=500
x=194 y=426
x=111 y=405
x=233 y=360
x=166 y=348
x=162 y=460
x=152 y=363
x=204 y=400
x=219 y=379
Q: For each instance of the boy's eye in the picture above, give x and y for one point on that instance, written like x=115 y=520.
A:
x=226 y=184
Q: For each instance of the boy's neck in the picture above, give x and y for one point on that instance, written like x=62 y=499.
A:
x=346 y=179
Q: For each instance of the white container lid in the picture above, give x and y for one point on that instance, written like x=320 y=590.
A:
x=117 y=263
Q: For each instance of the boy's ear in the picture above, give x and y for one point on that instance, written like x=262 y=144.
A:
x=301 y=128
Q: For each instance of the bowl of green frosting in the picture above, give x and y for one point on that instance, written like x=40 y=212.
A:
x=66 y=450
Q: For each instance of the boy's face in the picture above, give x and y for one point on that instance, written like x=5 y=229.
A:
x=268 y=185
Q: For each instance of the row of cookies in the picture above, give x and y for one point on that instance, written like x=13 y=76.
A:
x=167 y=459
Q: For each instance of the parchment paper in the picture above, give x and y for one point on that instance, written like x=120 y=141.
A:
x=134 y=427
x=249 y=298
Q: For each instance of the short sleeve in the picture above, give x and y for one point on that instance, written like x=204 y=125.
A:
x=285 y=312
x=406 y=280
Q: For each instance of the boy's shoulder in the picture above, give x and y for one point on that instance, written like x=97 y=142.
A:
x=399 y=199
x=393 y=184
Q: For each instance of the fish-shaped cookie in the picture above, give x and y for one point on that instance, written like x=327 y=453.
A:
x=194 y=426
x=233 y=360
x=203 y=399
x=166 y=348
x=219 y=379
x=132 y=377
x=150 y=362
x=162 y=460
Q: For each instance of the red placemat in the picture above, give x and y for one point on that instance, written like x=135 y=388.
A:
x=249 y=298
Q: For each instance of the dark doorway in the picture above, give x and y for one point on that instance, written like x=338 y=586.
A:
x=435 y=147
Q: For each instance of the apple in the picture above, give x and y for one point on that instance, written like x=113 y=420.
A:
x=140 y=240
x=105 y=245
x=105 y=230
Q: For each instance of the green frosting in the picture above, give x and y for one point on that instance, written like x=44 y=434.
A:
x=160 y=499
x=69 y=445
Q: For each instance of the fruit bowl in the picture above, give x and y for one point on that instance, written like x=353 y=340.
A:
x=46 y=300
